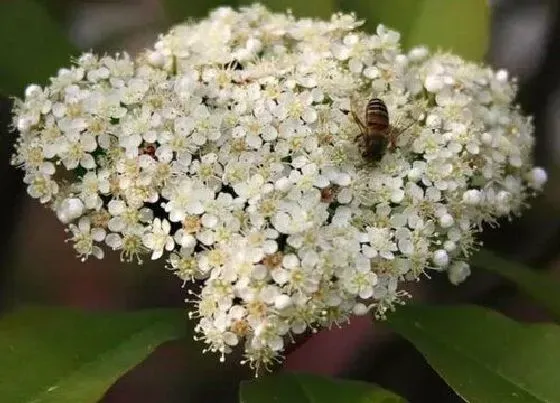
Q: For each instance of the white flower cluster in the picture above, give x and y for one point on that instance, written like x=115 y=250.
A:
x=229 y=148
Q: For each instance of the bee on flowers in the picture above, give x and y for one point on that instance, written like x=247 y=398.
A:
x=377 y=135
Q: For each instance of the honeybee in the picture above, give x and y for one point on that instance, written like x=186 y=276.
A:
x=377 y=135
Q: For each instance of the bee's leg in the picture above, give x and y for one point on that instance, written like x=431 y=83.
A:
x=357 y=120
x=392 y=137
x=362 y=127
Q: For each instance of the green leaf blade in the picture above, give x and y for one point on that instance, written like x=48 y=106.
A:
x=485 y=356
x=76 y=356
x=308 y=388
x=541 y=287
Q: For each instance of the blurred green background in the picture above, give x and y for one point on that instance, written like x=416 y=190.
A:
x=37 y=37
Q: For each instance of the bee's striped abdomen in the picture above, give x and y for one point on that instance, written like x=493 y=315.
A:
x=377 y=116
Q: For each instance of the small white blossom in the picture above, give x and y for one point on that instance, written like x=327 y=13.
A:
x=472 y=196
x=537 y=177
x=458 y=272
x=441 y=259
x=158 y=238
x=84 y=236
x=70 y=209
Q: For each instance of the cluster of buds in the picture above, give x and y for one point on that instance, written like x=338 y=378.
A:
x=230 y=150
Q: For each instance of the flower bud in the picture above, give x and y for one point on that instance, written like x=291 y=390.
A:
x=458 y=272
x=70 y=209
x=440 y=258
x=472 y=197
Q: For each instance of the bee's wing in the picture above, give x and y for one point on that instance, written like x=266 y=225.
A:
x=406 y=127
x=355 y=116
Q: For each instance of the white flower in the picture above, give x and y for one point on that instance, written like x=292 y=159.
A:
x=41 y=186
x=77 y=152
x=458 y=272
x=252 y=189
x=188 y=196
x=381 y=243
x=92 y=187
x=440 y=258
x=84 y=237
x=360 y=280
x=158 y=238
x=472 y=196
x=446 y=220
x=537 y=177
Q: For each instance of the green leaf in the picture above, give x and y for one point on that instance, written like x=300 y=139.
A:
x=63 y=355
x=34 y=47
x=451 y=25
x=483 y=355
x=540 y=286
x=307 y=388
